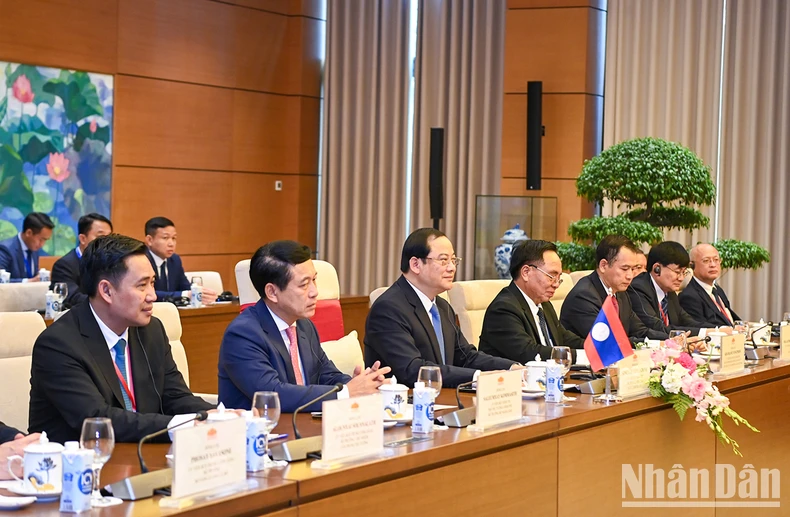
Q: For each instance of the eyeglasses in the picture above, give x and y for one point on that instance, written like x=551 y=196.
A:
x=679 y=272
x=711 y=260
x=554 y=279
x=444 y=261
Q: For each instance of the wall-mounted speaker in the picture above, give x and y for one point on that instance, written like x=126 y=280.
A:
x=436 y=175
x=534 y=133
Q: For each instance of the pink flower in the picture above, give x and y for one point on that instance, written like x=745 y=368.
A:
x=673 y=353
x=22 y=89
x=672 y=344
x=58 y=167
x=702 y=415
x=699 y=360
x=694 y=387
x=688 y=363
x=93 y=126
x=659 y=356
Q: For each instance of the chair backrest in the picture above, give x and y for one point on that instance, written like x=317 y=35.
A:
x=374 y=295
x=576 y=275
x=470 y=299
x=211 y=279
x=561 y=292
x=345 y=352
x=247 y=293
x=328 y=317
x=19 y=332
x=168 y=315
x=19 y=297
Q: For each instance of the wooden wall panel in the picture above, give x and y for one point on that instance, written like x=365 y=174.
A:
x=305 y=47
x=308 y=214
x=172 y=125
x=311 y=8
x=224 y=264
x=196 y=201
x=309 y=134
x=263 y=54
x=60 y=33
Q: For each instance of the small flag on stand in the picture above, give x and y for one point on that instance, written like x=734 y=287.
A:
x=607 y=342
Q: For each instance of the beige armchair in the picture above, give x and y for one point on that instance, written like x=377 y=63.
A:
x=21 y=297
x=469 y=300
x=19 y=332
x=211 y=279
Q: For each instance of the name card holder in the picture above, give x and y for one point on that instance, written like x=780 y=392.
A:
x=732 y=355
x=634 y=374
x=784 y=343
x=498 y=400
x=352 y=429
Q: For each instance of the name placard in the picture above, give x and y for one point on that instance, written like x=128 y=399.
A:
x=732 y=353
x=634 y=374
x=498 y=398
x=352 y=427
x=784 y=342
x=209 y=456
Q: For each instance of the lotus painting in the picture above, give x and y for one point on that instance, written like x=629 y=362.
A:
x=55 y=148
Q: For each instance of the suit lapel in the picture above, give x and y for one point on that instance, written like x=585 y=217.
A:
x=522 y=302
x=20 y=259
x=97 y=345
x=270 y=328
x=551 y=322
x=448 y=333
x=141 y=375
x=708 y=300
x=306 y=353
x=422 y=315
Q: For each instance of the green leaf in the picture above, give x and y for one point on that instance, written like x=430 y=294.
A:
x=3 y=107
x=37 y=82
x=737 y=254
x=63 y=240
x=680 y=217
x=681 y=403
x=597 y=228
x=35 y=139
x=102 y=134
x=7 y=230
x=15 y=189
x=576 y=257
x=43 y=202
x=79 y=95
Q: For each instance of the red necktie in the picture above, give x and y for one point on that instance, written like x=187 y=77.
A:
x=720 y=305
x=293 y=346
x=616 y=305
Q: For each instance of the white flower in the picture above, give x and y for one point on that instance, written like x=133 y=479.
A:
x=672 y=380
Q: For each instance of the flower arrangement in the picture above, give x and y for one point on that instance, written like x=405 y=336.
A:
x=679 y=379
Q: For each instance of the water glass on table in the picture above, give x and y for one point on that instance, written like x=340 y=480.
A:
x=98 y=436
x=266 y=408
x=563 y=357
x=431 y=376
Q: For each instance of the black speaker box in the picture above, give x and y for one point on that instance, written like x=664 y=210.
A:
x=534 y=133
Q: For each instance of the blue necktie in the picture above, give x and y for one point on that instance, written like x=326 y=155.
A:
x=29 y=263
x=437 y=328
x=665 y=309
x=120 y=361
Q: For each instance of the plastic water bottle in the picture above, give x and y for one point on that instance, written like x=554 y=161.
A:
x=422 y=419
x=51 y=307
x=196 y=296
x=43 y=275
x=77 y=479
x=553 y=382
x=5 y=277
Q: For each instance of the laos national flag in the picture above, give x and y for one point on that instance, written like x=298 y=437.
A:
x=607 y=342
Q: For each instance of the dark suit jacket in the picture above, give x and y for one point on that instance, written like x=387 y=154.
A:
x=698 y=304
x=7 y=433
x=399 y=333
x=12 y=259
x=584 y=302
x=73 y=377
x=176 y=279
x=67 y=269
x=509 y=329
x=644 y=300
x=253 y=357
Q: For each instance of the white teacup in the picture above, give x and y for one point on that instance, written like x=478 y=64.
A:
x=395 y=397
x=715 y=339
x=43 y=467
x=5 y=276
x=536 y=375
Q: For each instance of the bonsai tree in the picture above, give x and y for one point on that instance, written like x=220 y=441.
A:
x=659 y=182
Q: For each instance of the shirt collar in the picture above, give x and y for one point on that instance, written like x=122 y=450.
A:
x=22 y=242
x=708 y=288
x=659 y=292
x=157 y=260
x=532 y=305
x=109 y=336
x=281 y=324
x=607 y=289
x=426 y=302
x=78 y=252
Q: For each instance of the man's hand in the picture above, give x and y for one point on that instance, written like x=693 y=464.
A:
x=697 y=344
x=368 y=381
x=517 y=366
x=36 y=278
x=12 y=448
x=209 y=296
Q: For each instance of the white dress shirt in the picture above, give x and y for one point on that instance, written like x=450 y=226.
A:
x=709 y=289
x=534 y=310
x=24 y=257
x=159 y=261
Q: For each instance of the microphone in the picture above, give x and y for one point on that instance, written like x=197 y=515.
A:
x=458 y=392
x=301 y=448
x=337 y=387
x=199 y=417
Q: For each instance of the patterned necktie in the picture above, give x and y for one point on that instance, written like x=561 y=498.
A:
x=720 y=304
x=29 y=263
x=544 y=327
x=437 y=328
x=120 y=361
x=293 y=346
x=665 y=309
x=163 y=276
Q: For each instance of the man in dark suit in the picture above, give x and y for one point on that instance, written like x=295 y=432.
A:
x=409 y=326
x=654 y=292
x=273 y=346
x=108 y=357
x=521 y=322
x=19 y=254
x=703 y=298
x=12 y=443
x=615 y=262
x=67 y=267
x=171 y=282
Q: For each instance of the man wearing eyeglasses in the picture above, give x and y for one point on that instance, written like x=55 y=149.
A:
x=410 y=326
x=654 y=292
x=702 y=298
x=521 y=323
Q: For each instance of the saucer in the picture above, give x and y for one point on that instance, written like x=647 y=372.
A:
x=390 y=423
x=405 y=417
x=532 y=394
x=15 y=503
x=21 y=489
x=713 y=356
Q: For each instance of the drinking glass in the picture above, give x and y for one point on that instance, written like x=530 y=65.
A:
x=61 y=290
x=197 y=280
x=432 y=377
x=562 y=356
x=786 y=317
x=99 y=437
x=266 y=406
x=740 y=327
x=679 y=336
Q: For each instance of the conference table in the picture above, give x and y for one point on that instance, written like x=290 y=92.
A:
x=557 y=461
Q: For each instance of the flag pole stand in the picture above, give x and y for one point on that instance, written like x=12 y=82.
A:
x=608 y=397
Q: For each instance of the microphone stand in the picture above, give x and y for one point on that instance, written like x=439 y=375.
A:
x=463 y=416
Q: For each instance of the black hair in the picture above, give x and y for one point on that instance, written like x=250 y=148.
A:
x=666 y=253
x=86 y=222
x=271 y=264
x=529 y=251
x=153 y=224
x=416 y=245
x=609 y=248
x=105 y=259
x=37 y=221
